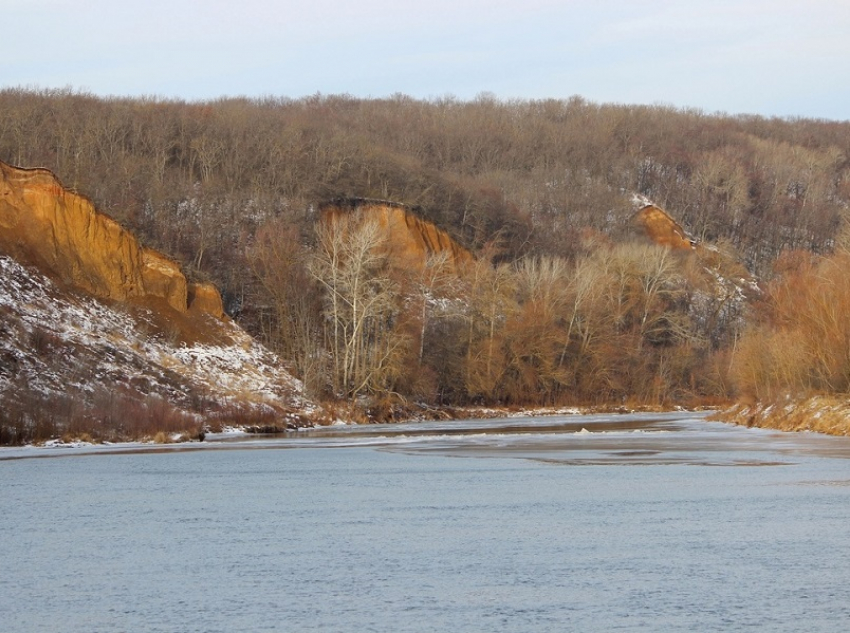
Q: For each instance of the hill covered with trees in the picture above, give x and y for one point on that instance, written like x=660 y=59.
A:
x=561 y=303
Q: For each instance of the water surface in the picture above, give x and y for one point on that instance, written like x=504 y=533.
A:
x=585 y=523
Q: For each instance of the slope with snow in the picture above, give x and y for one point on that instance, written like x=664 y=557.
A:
x=69 y=362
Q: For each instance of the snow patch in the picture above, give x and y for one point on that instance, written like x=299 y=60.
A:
x=56 y=342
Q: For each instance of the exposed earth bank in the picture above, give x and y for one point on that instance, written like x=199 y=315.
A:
x=820 y=414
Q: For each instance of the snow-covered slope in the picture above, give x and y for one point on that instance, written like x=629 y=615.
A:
x=70 y=363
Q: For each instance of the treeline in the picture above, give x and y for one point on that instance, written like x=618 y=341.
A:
x=553 y=311
x=628 y=321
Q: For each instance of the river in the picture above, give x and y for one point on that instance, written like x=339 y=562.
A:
x=649 y=522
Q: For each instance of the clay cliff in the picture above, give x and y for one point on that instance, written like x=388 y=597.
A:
x=659 y=227
x=410 y=239
x=61 y=232
x=104 y=338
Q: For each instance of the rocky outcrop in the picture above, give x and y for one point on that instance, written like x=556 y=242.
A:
x=410 y=239
x=161 y=277
x=663 y=230
x=205 y=298
x=61 y=232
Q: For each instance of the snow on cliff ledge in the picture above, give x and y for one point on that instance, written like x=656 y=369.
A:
x=58 y=342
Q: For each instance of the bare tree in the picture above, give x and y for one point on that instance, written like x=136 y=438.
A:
x=351 y=264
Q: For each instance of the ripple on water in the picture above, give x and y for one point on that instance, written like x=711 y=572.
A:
x=385 y=530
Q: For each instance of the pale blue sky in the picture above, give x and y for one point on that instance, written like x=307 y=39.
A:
x=769 y=57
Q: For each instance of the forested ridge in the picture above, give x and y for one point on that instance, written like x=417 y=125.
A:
x=559 y=304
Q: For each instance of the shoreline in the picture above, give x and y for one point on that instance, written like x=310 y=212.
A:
x=181 y=441
x=828 y=415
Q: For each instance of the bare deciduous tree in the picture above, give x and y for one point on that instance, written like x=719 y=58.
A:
x=351 y=265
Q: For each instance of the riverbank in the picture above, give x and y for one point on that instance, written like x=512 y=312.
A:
x=819 y=414
x=414 y=412
x=341 y=416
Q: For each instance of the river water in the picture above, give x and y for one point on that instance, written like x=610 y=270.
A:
x=574 y=523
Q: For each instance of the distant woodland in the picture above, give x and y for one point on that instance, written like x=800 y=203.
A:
x=559 y=306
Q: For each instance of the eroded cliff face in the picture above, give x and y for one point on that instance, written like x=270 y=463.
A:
x=662 y=229
x=205 y=298
x=101 y=336
x=410 y=239
x=61 y=232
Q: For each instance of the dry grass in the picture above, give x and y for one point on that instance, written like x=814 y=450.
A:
x=68 y=438
x=819 y=414
x=344 y=410
x=121 y=414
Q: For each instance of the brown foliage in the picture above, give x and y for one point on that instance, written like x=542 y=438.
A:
x=228 y=187
x=107 y=415
x=802 y=344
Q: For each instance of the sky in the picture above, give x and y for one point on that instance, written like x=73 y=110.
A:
x=787 y=58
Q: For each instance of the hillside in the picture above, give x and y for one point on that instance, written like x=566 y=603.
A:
x=571 y=295
x=103 y=337
x=197 y=179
